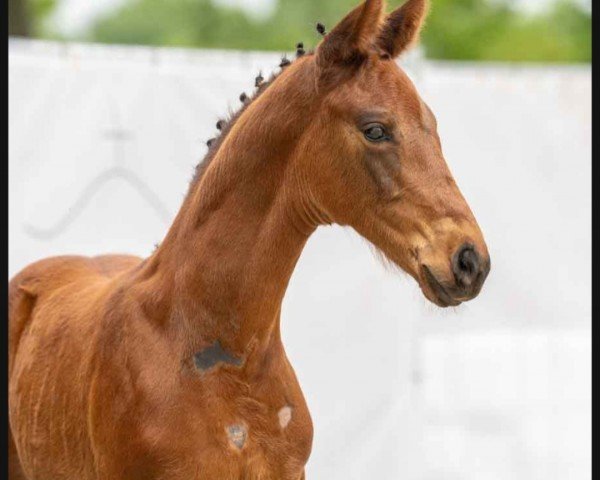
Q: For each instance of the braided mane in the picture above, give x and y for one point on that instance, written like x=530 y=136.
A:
x=225 y=125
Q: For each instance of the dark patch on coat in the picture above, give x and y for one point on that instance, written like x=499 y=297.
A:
x=237 y=435
x=213 y=355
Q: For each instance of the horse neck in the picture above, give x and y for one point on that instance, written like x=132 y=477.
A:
x=223 y=268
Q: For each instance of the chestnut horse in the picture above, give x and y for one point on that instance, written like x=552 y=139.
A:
x=172 y=367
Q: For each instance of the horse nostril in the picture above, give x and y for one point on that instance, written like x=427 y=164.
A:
x=466 y=266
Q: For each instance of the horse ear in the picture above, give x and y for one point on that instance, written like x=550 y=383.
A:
x=353 y=36
x=402 y=27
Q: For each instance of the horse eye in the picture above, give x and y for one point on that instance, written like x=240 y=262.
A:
x=376 y=133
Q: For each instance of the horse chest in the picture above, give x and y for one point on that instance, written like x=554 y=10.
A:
x=220 y=426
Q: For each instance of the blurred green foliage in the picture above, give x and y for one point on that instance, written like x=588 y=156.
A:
x=492 y=30
x=41 y=12
x=455 y=29
x=29 y=17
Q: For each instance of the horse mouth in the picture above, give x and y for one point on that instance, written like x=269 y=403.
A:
x=439 y=294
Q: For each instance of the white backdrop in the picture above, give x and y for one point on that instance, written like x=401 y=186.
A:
x=103 y=141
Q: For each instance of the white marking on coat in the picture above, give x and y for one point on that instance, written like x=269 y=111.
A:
x=285 y=415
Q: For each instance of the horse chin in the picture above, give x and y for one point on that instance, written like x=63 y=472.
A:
x=429 y=285
x=440 y=302
x=434 y=291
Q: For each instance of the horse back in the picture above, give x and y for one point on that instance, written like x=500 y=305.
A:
x=42 y=279
x=54 y=309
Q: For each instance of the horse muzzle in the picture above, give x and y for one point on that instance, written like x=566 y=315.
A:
x=469 y=269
